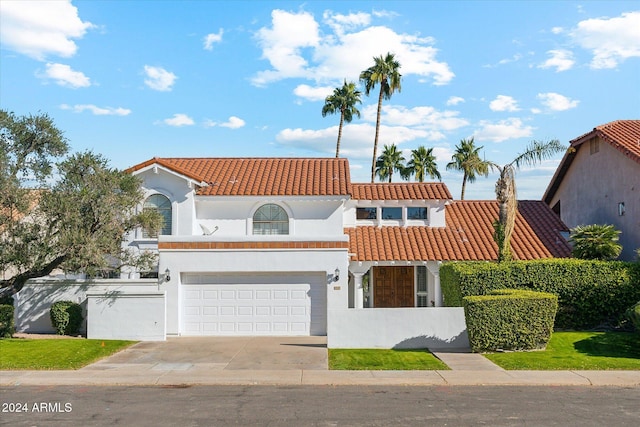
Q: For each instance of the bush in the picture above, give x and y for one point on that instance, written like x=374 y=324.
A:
x=66 y=317
x=510 y=319
x=7 y=325
x=633 y=315
x=595 y=242
x=7 y=300
x=589 y=292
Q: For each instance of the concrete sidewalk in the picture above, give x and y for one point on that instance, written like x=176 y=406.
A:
x=466 y=369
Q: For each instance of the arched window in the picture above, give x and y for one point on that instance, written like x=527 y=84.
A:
x=270 y=219
x=162 y=205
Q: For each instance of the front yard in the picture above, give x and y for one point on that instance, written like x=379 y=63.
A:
x=378 y=359
x=18 y=353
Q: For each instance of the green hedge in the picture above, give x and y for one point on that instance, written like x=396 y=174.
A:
x=7 y=325
x=633 y=315
x=510 y=319
x=589 y=292
x=66 y=317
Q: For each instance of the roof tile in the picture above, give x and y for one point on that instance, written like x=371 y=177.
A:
x=467 y=236
x=401 y=191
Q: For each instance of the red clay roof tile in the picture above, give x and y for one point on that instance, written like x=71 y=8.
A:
x=400 y=191
x=467 y=236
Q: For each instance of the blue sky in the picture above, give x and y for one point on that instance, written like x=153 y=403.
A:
x=137 y=79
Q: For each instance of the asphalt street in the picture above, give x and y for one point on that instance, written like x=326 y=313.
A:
x=319 y=406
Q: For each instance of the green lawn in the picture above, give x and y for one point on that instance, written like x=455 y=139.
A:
x=380 y=359
x=577 y=350
x=55 y=353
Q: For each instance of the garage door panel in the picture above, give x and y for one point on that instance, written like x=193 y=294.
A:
x=258 y=305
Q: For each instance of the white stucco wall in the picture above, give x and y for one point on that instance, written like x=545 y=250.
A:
x=33 y=302
x=126 y=316
x=433 y=328
x=592 y=188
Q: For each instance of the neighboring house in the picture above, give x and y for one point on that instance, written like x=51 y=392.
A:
x=598 y=182
x=289 y=246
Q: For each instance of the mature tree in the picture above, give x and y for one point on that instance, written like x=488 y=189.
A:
x=383 y=72
x=73 y=219
x=343 y=100
x=506 y=191
x=422 y=163
x=595 y=242
x=390 y=161
x=467 y=160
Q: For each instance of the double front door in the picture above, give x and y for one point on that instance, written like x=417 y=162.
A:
x=393 y=287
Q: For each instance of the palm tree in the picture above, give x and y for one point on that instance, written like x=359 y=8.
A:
x=467 y=160
x=385 y=73
x=343 y=100
x=422 y=163
x=506 y=191
x=595 y=242
x=390 y=160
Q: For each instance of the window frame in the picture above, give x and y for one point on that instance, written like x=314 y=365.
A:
x=282 y=224
x=165 y=211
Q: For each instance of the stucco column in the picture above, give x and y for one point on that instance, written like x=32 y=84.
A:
x=358 y=297
x=434 y=269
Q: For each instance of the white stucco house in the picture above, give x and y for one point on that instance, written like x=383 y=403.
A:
x=290 y=246
x=598 y=182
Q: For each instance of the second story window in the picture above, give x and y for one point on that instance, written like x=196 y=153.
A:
x=392 y=213
x=270 y=219
x=366 y=213
x=417 y=213
x=162 y=205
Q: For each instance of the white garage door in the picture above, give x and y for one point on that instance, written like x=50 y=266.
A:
x=275 y=304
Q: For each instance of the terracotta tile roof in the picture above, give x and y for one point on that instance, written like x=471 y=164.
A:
x=467 y=236
x=262 y=176
x=401 y=191
x=624 y=135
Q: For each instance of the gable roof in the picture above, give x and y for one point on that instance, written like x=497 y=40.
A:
x=261 y=176
x=468 y=235
x=623 y=135
x=401 y=191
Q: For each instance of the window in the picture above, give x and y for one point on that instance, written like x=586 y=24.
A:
x=417 y=213
x=366 y=213
x=594 y=146
x=162 y=205
x=422 y=293
x=392 y=213
x=270 y=219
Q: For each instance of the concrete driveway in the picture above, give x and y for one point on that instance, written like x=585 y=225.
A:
x=228 y=353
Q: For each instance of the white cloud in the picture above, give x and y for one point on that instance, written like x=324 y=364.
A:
x=504 y=103
x=515 y=58
x=435 y=122
x=297 y=47
x=610 y=40
x=556 y=102
x=557 y=30
x=158 y=78
x=561 y=59
x=233 y=123
x=309 y=93
x=98 y=111
x=179 y=120
x=63 y=75
x=212 y=38
x=511 y=128
x=455 y=100
x=41 y=28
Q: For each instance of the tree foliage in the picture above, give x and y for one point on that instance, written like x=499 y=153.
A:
x=466 y=159
x=595 y=241
x=61 y=213
x=421 y=164
x=384 y=73
x=390 y=161
x=343 y=100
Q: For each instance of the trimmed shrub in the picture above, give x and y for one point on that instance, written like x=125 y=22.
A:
x=7 y=325
x=633 y=315
x=589 y=292
x=7 y=300
x=66 y=317
x=510 y=319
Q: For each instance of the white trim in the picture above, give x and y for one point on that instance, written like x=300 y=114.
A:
x=154 y=167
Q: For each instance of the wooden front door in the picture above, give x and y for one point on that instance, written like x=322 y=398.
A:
x=393 y=287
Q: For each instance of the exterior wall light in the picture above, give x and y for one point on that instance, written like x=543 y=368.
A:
x=336 y=275
x=167 y=275
x=620 y=208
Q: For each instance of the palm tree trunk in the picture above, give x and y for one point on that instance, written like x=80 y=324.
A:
x=339 y=134
x=464 y=185
x=375 y=141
